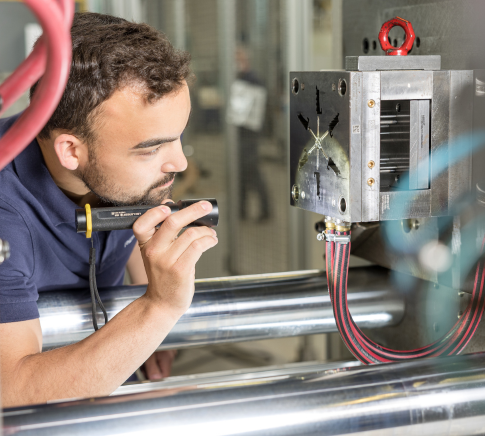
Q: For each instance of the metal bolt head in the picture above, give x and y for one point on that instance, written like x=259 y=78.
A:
x=371 y=182
x=320 y=236
x=371 y=103
x=371 y=164
x=295 y=193
x=303 y=195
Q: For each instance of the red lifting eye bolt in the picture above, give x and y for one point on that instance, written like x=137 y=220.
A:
x=406 y=46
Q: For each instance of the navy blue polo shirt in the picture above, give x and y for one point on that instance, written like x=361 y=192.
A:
x=37 y=219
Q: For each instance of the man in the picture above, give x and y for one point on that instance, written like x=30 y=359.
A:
x=114 y=139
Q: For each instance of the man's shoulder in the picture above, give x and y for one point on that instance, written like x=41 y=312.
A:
x=13 y=194
x=8 y=177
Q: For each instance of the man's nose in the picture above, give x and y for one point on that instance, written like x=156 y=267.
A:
x=176 y=160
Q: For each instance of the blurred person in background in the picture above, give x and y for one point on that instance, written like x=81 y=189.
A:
x=247 y=111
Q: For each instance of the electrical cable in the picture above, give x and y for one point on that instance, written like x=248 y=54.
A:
x=93 y=288
x=367 y=351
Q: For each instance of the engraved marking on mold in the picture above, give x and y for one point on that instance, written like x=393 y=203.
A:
x=385 y=203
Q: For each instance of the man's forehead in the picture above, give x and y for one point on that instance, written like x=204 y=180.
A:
x=132 y=98
x=127 y=113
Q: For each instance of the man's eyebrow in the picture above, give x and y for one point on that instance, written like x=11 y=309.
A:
x=158 y=141
x=153 y=142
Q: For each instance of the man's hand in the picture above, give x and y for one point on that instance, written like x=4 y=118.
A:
x=159 y=364
x=170 y=260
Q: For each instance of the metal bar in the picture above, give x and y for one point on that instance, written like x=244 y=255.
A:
x=236 y=375
x=426 y=396
x=387 y=122
x=235 y=309
x=226 y=28
x=396 y=133
x=390 y=159
x=419 y=145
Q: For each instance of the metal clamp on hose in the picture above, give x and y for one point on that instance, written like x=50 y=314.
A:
x=332 y=237
x=341 y=239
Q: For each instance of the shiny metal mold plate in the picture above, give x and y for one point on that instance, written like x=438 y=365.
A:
x=320 y=188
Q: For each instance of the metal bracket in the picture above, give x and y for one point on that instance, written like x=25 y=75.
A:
x=331 y=237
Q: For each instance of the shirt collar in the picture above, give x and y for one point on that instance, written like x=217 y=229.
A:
x=34 y=175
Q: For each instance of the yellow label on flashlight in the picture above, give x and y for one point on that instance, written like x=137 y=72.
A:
x=89 y=221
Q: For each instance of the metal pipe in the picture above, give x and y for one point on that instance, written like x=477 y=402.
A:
x=427 y=396
x=397 y=132
x=387 y=122
x=390 y=159
x=238 y=375
x=394 y=169
x=235 y=309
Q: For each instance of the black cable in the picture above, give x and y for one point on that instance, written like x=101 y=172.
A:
x=93 y=288
x=368 y=351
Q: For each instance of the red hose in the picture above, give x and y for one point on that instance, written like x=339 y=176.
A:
x=367 y=351
x=26 y=74
x=32 y=68
x=56 y=43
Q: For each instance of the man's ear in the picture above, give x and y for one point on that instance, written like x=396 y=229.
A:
x=70 y=151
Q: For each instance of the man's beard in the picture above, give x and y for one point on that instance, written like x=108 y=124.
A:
x=109 y=193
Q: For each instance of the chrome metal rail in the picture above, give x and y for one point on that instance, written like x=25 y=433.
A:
x=443 y=396
x=236 y=309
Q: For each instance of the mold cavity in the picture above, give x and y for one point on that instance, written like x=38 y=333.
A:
x=332 y=125
x=319 y=108
x=331 y=165
x=304 y=121
x=295 y=86
x=317 y=177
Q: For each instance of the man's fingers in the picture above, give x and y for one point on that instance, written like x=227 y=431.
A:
x=152 y=368
x=186 y=238
x=144 y=227
x=165 y=360
x=177 y=221
x=193 y=252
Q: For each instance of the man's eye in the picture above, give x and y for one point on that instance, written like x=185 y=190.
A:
x=151 y=152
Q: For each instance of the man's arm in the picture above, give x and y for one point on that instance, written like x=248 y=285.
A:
x=159 y=364
x=97 y=365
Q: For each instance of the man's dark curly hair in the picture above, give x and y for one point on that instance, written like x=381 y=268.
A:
x=109 y=53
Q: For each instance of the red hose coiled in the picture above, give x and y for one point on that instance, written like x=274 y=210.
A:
x=367 y=351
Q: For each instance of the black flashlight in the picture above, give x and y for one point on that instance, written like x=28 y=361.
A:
x=120 y=218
